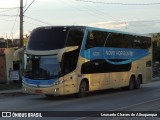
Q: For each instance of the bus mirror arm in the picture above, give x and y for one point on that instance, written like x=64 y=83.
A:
x=64 y=50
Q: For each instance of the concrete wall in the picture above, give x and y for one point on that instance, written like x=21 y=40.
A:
x=2 y=66
x=9 y=61
x=6 y=63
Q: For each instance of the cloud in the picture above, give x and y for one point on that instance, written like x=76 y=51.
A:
x=158 y=25
x=16 y=34
x=109 y=25
x=135 y=26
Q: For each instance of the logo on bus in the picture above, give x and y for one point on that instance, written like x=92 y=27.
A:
x=109 y=54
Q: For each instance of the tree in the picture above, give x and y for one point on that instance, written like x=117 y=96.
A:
x=156 y=46
x=25 y=40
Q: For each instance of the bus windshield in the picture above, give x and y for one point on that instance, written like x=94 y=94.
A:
x=41 y=67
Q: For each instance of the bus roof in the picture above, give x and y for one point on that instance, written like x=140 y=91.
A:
x=96 y=28
x=116 y=31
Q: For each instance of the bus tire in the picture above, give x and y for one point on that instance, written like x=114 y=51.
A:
x=138 y=82
x=131 y=83
x=82 y=89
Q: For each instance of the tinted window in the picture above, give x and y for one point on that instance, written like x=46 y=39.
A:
x=96 y=39
x=142 y=42
x=48 y=38
x=117 y=40
x=69 y=61
x=75 y=37
x=102 y=66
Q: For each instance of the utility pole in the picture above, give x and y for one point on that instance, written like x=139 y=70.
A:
x=21 y=24
x=7 y=40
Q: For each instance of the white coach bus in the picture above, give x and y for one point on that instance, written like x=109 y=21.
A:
x=60 y=60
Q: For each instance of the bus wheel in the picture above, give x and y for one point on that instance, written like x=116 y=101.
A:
x=82 y=89
x=131 y=83
x=138 y=82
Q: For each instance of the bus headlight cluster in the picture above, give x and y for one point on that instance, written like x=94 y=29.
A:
x=58 y=82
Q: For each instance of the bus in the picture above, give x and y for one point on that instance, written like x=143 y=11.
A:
x=62 y=60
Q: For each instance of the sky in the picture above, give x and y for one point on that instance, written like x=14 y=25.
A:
x=135 y=16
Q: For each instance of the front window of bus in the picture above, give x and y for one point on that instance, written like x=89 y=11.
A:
x=47 y=38
x=41 y=67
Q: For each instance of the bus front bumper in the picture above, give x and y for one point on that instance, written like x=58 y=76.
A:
x=52 y=90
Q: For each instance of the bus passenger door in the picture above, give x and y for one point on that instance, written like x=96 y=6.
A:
x=98 y=75
x=93 y=70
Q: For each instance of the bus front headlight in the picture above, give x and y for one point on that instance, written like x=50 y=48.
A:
x=58 y=82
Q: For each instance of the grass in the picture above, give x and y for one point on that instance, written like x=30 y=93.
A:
x=10 y=86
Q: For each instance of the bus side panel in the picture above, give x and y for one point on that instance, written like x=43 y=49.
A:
x=123 y=79
x=70 y=83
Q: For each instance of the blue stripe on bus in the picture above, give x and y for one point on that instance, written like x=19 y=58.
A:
x=39 y=82
x=114 y=53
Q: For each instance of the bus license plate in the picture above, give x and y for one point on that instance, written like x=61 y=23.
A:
x=38 y=91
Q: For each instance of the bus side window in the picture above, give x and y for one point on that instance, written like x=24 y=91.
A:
x=96 y=39
x=114 y=40
x=75 y=37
